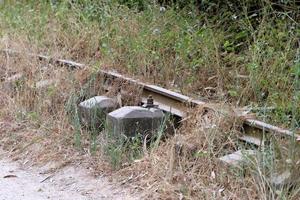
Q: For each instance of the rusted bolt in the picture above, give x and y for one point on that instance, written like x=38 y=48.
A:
x=150 y=103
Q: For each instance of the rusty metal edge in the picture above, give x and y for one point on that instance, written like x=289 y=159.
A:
x=162 y=91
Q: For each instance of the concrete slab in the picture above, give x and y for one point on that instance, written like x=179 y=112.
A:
x=133 y=120
x=94 y=110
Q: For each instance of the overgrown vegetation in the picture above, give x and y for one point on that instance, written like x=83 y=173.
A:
x=243 y=53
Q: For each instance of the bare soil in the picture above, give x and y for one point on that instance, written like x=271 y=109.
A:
x=20 y=182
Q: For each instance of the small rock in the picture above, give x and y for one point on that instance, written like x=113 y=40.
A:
x=162 y=9
x=280 y=180
x=237 y=158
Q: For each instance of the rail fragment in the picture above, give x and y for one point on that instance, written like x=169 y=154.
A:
x=169 y=101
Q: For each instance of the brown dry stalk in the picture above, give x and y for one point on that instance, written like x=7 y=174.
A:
x=35 y=126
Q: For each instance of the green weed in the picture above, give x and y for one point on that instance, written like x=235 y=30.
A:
x=241 y=57
x=245 y=53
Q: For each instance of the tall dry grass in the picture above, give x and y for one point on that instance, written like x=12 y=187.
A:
x=230 y=62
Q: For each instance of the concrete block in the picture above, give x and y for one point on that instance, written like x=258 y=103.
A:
x=133 y=120
x=94 y=110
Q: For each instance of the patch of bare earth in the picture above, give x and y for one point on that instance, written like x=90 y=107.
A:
x=24 y=182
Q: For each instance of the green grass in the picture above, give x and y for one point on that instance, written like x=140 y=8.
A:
x=246 y=53
x=217 y=53
x=239 y=57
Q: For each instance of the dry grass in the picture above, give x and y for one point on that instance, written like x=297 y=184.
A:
x=35 y=127
x=38 y=123
x=187 y=166
x=176 y=50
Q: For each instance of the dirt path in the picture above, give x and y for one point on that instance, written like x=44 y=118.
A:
x=17 y=183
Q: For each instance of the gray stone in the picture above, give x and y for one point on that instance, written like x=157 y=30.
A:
x=238 y=158
x=287 y=178
x=94 y=110
x=279 y=180
x=133 y=120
